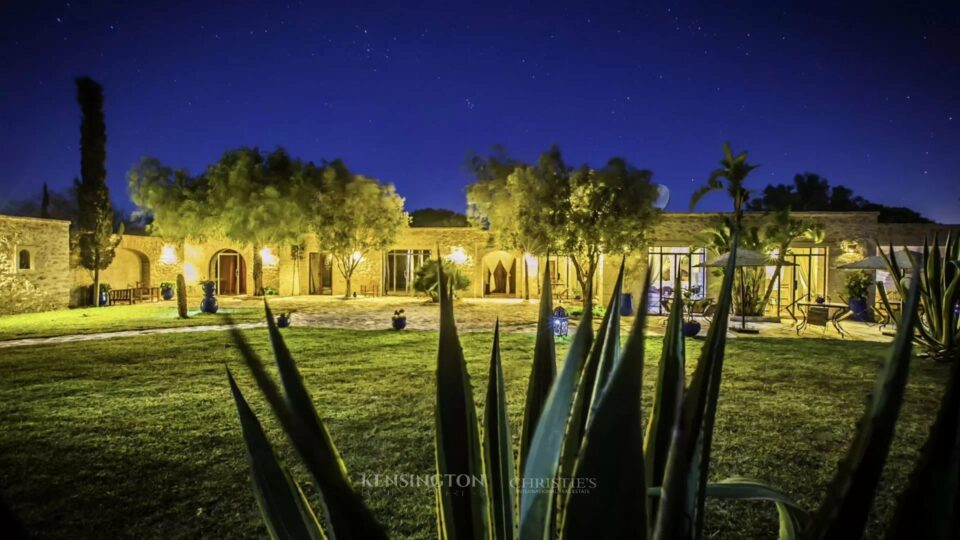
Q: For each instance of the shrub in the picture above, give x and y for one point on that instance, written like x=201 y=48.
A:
x=166 y=285
x=857 y=284
x=426 y=279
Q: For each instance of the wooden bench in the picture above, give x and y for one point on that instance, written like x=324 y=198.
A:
x=133 y=295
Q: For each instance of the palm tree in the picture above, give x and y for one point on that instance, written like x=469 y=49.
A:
x=730 y=176
x=781 y=231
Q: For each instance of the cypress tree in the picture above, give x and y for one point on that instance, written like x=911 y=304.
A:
x=97 y=240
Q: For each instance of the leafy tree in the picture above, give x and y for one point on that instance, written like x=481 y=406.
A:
x=497 y=199
x=354 y=216
x=583 y=213
x=437 y=217
x=96 y=238
x=812 y=193
x=59 y=205
x=730 y=176
x=247 y=196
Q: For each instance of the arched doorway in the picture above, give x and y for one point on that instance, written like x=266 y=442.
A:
x=128 y=269
x=499 y=274
x=229 y=271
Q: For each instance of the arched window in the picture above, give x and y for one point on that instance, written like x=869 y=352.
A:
x=24 y=260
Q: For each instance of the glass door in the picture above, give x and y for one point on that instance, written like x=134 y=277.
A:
x=665 y=264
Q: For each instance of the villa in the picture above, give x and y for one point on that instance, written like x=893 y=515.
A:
x=36 y=264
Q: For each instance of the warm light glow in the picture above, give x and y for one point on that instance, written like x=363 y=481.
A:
x=532 y=263
x=357 y=256
x=458 y=256
x=852 y=252
x=168 y=254
x=267 y=256
x=190 y=274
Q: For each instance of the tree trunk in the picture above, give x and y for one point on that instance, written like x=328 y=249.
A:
x=346 y=293
x=257 y=271
x=585 y=278
x=526 y=280
x=773 y=279
x=96 y=284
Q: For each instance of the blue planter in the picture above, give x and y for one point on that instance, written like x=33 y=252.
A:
x=209 y=303
x=691 y=328
x=858 y=306
x=166 y=294
x=399 y=323
x=104 y=298
x=283 y=321
x=626 y=304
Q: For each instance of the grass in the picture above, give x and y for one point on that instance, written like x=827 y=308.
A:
x=138 y=437
x=115 y=319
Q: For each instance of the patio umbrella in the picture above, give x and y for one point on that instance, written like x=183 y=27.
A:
x=903 y=257
x=746 y=258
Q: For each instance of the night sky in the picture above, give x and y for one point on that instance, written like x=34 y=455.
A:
x=867 y=97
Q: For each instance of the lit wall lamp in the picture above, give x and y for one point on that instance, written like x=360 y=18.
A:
x=458 y=256
x=190 y=274
x=267 y=256
x=168 y=254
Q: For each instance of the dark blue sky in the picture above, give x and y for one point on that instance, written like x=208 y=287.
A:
x=867 y=97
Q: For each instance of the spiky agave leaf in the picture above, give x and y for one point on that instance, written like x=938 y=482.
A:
x=592 y=379
x=667 y=399
x=608 y=491
x=793 y=518
x=462 y=512
x=282 y=505
x=929 y=506
x=498 y=449
x=345 y=514
x=684 y=478
x=843 y=513
x=536 y=507
x=542 y=372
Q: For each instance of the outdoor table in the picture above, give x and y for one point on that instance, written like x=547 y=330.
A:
x=836 y=312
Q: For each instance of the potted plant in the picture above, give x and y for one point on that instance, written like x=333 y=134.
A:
x=857 y=285
x=283 y=320
x=691 y=327
x=166 y=290
x=399 y=320
x=209 y=303
x=104 y=294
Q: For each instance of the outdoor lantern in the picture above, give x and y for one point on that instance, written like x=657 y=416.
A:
x=561 y=322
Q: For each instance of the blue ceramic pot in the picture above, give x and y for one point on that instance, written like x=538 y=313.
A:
x=283 y=321
x=691 y=328
x=209 y=303
x=859 y=308
x=166 y=294
x=104 y=298
x=399 y=323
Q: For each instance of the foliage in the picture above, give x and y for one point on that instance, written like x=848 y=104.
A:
x=437 y=217
x=427 y=278
x=781 y=231
x=96 y=238
x=577 y=311
x=857 y=284
x=355 y=215
x=730 y=176
x=181 y=297
x=939 y=330
x=58 y=204
x=167 y=285
x=247 y=196
x=813 y=193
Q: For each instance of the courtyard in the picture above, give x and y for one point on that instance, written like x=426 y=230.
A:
x=137 y=434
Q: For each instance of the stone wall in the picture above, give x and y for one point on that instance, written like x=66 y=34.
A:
x=44 y=282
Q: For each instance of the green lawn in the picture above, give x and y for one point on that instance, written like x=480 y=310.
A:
x=113 y=319
x=138 y=438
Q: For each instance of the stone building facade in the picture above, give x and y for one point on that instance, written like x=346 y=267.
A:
x=34 y=264
x=146 y=261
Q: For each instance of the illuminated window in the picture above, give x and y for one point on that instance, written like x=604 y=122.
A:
x=23 y=260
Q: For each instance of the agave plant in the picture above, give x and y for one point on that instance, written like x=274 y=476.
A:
x=589 y=470
x=938 y=332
